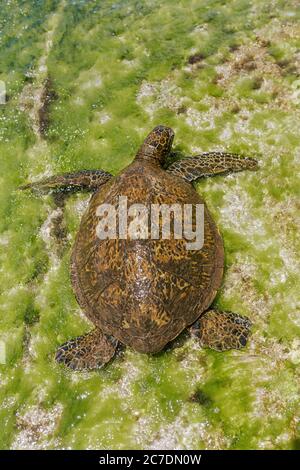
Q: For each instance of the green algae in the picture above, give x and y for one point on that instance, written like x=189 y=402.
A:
x=118 y=69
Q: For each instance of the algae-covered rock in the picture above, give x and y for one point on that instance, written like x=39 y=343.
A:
x=84 y=82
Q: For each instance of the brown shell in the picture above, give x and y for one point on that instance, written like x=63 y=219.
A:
x=145 y=292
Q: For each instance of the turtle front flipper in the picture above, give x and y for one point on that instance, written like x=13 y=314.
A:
x=221 y=330
x=210 y=164
x=85 y=180
x=90 y=351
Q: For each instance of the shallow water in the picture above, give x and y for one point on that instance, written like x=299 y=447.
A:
x=224 y=76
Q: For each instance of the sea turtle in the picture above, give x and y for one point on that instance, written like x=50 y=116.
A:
x=144 y=292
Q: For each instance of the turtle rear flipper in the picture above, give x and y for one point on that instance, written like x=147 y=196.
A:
x=90 y=351
x=222 y=330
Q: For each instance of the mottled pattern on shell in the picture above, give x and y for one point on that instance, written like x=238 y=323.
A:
x=145 y=292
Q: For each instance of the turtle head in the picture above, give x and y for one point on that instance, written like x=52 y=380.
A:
x=157 y=144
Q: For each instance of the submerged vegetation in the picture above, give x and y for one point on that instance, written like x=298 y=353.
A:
x=85 y=81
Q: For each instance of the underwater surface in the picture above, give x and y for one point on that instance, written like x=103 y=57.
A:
x=85 y=82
